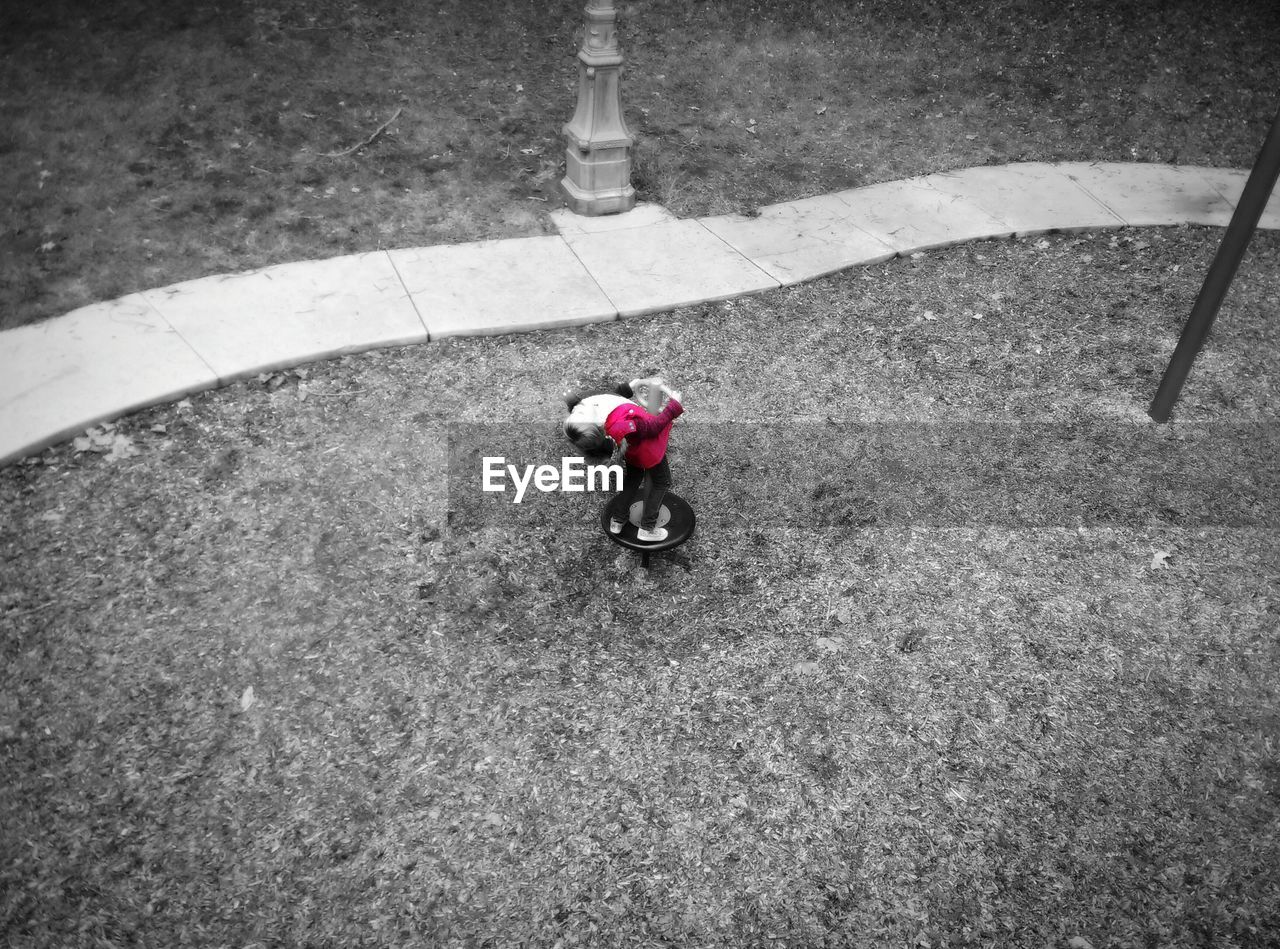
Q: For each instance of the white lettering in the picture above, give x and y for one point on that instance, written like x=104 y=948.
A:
x=605 y=472
x=521 y=483
x=491 y=472
x=574 y=475
x=569 y=468
x=548 y=478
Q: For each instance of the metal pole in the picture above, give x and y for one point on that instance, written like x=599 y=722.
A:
x=1262 y=181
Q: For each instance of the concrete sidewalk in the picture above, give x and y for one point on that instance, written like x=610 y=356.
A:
x=102 y=361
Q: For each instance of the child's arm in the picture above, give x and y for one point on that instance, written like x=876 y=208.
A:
x=650 y=426
x=648 y=393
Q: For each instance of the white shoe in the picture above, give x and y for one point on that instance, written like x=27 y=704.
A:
x=653 y=536
x=615 y=526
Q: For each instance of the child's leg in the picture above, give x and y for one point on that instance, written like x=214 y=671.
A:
x=659 y=477
x=633 y=479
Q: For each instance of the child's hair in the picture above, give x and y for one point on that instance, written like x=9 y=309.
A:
x=589 y=438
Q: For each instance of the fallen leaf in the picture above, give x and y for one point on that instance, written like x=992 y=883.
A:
x=821 y=111
x=1079 y=942
x=98 y=438
x=121 y=447
x=805 y=668
x=829 y=644
x=930 y=315
x=1159 y=558
x=247 y=699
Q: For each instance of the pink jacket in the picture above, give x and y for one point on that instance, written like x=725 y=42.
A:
x=646 y=434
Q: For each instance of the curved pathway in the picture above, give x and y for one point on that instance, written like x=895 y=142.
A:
x=102 y=361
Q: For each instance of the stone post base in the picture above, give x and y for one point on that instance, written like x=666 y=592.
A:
x=597 y=177
x=597 y=201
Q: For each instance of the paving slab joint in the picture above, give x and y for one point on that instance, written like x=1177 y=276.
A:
x=178 y=333
x=405 y=287
x=617 y=311
x=740 y=255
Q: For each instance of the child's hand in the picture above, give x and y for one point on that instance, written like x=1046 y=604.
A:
x=671 y=393
x=648 y=392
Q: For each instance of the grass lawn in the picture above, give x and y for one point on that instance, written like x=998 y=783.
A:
x=144 y=142
x=965 y=652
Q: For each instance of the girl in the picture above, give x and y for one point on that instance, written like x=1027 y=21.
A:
x=600 y=422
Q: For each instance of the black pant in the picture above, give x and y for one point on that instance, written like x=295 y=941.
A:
x=655 y=481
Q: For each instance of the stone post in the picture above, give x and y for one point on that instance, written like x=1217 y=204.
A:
x=598 y=152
